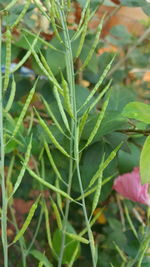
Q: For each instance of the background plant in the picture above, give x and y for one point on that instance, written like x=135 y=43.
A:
x=74 y=126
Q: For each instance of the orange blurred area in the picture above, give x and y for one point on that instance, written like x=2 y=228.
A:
x=101 y=219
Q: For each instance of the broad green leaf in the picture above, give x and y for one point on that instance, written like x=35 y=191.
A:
x=145 y=162
x=138 y=111
x=70 y=244
x=41 y=257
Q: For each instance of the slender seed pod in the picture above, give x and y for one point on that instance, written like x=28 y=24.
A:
x=40 y=40
x=84 y=32
x=90 y=54
x=53 y=16
x=12 y=96
x=97 y=193
x=47 y=67
x=10 y=5
x=8 y=59
x=57 y=214
x=24 y=110
x=100 y=95
x=27 y=221
x=77 y=237
x=98 y=84
x=48 y=185
x=61 y=108
x=83 y=122
x=43 y=68
x=51 y=114
x=67 y=98
x=58 y=197
x=84 y=231
x=23 y=12
x=53 y=163
x=48 y=229
x=26 y=56
x=98 y=123
x=23 y=169
x=76 y=35
x=105 y=164
x=74 y=255
x=51 y=136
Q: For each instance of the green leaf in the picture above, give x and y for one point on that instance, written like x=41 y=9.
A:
x=41 y=257
x=70 y=244
x=138 y=111
x=144 y=162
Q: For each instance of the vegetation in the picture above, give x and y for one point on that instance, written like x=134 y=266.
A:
x=74 y=115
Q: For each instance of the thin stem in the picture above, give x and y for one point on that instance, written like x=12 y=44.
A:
x=2 y=158
x=135 y=131
x=70 y=77
x=90 y=235
x=21 y=240
x=36 y=232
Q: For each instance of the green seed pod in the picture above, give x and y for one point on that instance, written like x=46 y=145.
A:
x=12 y=96
x=8 y=59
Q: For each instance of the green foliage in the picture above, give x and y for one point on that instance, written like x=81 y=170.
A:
x=76 y=139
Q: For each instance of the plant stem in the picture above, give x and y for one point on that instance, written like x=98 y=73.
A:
x=74 y=151
x=71 y=81
x=21 y=240
x=2 y=157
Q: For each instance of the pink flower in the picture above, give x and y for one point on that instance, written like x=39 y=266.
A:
x=129 y=186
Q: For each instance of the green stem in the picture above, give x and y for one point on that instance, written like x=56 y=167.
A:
x=71 y=81
x=73 y=144
x=2 y=157
x=21 y=240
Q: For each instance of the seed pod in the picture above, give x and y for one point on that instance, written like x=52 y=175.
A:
x=98 y=122
x=51 y=136
x=23 y=12
x=23 y=169
x=84 y=32
x=10 y=5
x=27 y=221
x=53 y=163
x=12 y=96
x=98 y=84
x=61 y=108
x=24 y=110
x=67 y=98
x=48 y=185
x=8 y=59
x=57 y=214
x=90 y=54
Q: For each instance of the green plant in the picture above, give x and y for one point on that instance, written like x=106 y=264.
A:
x=78 y=145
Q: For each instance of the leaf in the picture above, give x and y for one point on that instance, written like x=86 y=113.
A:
x=70 y=244
x=27 y=221
x=145 y=162
x=138 y=111
x=41 y=257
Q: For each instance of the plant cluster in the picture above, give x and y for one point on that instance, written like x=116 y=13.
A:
x=70 y=123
